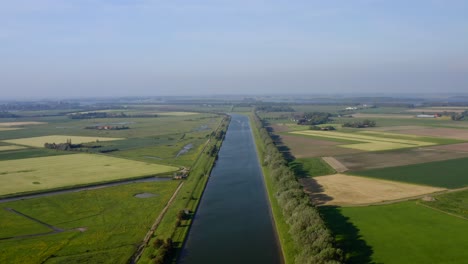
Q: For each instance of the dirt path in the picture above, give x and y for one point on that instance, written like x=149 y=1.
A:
x=54 y=229
x=335 y=164
x=136 y=256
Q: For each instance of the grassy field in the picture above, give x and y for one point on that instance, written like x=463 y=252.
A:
x=398 y=233
x=446 y=174
x=373 y=160
x=30 y=153
x=39 y=142
x=35 y=174
x=115 y=222
x=176 y=113
x=11 y=147
x=310 y=167
x=370 y=142
x=454 y=203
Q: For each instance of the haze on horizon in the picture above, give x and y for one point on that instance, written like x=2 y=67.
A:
x=79 y=48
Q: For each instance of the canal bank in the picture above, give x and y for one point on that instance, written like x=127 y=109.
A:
x=233 y=223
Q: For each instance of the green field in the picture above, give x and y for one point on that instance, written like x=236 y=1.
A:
x=40 y=141
x=35 y=174
x=454 y=203
x=310 y=167
x=115 y=222
x=30 y=153
x=398 y=233
x=370 y=142
x=446 y=174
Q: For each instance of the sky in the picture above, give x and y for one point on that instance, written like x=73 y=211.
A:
x=83 y=48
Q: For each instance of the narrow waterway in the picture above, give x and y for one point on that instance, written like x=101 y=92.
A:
x=233 y=223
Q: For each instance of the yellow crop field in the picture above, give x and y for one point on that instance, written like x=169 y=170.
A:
x=8 y=128
x=5 y=148
x=35 y=174
x=40 y=141
x=369 y=142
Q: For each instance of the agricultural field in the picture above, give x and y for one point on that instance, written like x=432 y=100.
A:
x=176 y=113
x=455 y=203
x=373 y=160
x=444 y=174
x=36 y=174
x=39 y=142
x=94 y=226
x=346 y=190
x=310 y=167
x=368 y=142
x=11 y=147
x=398 y=233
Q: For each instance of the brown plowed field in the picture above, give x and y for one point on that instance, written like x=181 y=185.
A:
x=462 y=147
x=373 y=160
x=340 y=189
x=308 y=147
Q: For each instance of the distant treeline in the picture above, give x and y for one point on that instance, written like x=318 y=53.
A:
x=460 y=116
x=91 y=115
x=314 y=118
x=68 y=146
x=275 y=108
x=311 y=236
x=360 y=124
x=5 y=114
x=36 y=106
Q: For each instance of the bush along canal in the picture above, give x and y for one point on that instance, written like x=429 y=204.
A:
x=233 y=223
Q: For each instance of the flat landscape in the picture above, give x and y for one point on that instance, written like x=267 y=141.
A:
x=97 y=226
x=34 y=174
x=346 y=190
x=444 y=174
x=401 y=233
x=370 y=143
x=39 y=142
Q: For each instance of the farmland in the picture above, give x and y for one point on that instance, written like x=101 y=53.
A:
x=311 y=167
x=399 y=200
x=44 y=173
x=398 y=233
x=339 y=189
x=39 y=142
x=370 y=143
x=445 y=174
x=454 y=203
x=11 y=147
x=108 y=234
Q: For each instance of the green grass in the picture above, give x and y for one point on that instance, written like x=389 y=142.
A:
x=454 y=203
x=398 y=233
x=310 y=167
x=30 y=153
x=446 y=174
x=36 y=174
x=116 y=222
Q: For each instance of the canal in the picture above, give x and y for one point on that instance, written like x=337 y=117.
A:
x=233 y=223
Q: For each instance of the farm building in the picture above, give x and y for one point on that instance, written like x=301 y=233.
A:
x=426 y=116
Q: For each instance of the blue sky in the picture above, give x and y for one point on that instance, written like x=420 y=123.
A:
x=142 y=47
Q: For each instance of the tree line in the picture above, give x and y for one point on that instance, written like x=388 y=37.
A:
x=360 y=124
x=313 y=239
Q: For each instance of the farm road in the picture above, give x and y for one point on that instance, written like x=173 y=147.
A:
x=54 y=229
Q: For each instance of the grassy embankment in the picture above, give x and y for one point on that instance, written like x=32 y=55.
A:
x=287 y=244
x=188 y=198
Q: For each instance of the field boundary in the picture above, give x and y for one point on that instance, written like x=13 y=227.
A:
x=335 y=164
x=134 y=259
